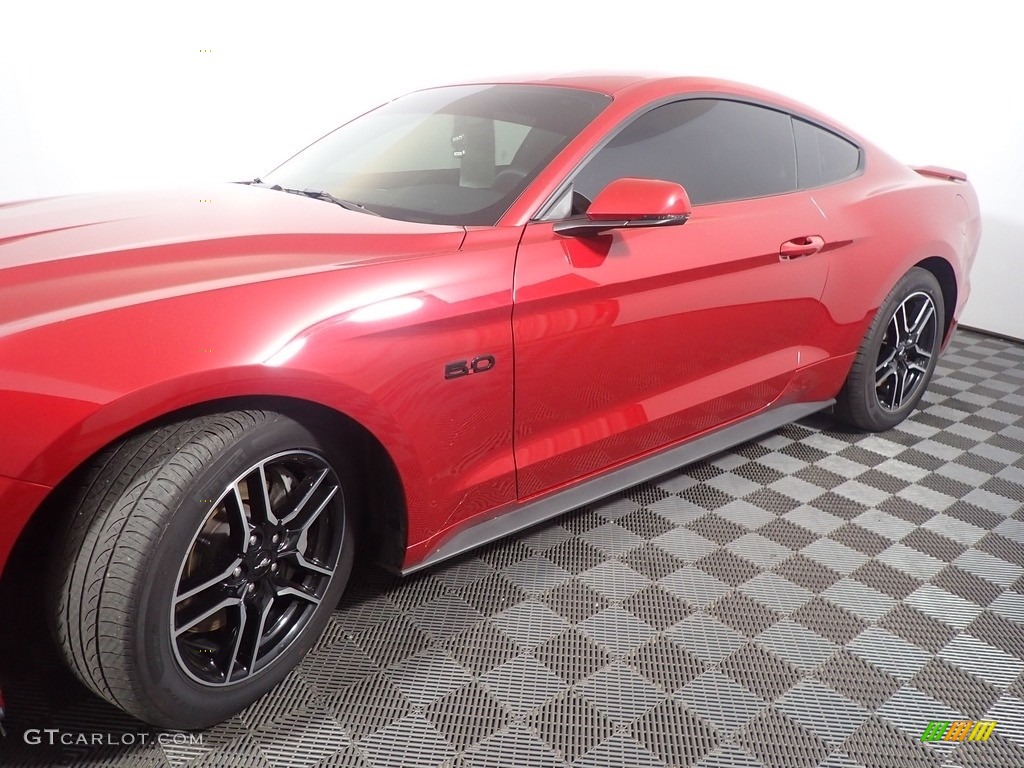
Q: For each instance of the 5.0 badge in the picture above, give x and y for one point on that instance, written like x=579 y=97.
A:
x=461 y=368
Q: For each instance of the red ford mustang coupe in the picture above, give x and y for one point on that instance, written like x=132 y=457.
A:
x=462 y=313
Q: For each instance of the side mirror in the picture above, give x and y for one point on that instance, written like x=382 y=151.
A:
x=631 y=203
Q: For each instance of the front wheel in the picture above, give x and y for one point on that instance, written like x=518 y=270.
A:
x=203 y=560
x=896 y=360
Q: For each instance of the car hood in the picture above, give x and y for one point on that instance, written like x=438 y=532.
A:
x=66 y=256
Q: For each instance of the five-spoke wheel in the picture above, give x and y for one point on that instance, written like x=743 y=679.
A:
x=202 y=561
x=257 y=568
x=895 y=362
x=905 y=356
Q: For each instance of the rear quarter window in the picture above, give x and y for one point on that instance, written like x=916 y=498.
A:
x=822 y=156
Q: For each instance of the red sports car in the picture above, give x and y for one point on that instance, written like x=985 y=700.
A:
x=462 y=313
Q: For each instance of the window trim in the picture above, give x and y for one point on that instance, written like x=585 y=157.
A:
x=554 y=198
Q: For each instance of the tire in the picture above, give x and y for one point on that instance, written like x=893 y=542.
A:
x=172 y=599
x=895 y=362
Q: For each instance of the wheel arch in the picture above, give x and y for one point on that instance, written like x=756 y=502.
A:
x=380 y=502
x=944 y=273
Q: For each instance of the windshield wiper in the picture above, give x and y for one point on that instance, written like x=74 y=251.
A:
x=319 y=194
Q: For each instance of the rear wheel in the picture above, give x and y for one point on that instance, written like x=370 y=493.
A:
x=896 y=360
x=203 y=560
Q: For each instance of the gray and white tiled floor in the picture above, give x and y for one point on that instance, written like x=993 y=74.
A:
x=813 y=598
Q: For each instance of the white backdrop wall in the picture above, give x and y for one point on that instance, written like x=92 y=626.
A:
x=104 y=95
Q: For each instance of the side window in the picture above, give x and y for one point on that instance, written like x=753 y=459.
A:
x=718 y=150
x=822 y=157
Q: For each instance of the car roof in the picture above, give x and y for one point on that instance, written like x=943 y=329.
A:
x=614 y=83
x=603 y=82
x=650 y=87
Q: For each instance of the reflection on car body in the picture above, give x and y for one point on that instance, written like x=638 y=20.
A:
x=222 y=400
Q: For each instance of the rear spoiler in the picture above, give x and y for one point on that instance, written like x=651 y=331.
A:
x=937 y=172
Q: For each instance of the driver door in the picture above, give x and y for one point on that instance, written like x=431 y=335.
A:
x=640 y=338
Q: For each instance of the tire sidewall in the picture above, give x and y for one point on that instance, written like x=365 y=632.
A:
x=175 y=697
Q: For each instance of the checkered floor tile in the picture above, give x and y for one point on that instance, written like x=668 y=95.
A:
x=812 y=598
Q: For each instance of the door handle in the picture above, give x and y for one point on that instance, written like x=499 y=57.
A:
x=801 y=246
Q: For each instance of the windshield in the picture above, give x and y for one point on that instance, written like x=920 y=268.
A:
x=457 y=155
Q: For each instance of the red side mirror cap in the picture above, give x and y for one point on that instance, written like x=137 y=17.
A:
x=631 y=203
x=639 y=199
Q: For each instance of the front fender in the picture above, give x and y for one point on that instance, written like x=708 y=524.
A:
x=370 y=343
x=67 y=431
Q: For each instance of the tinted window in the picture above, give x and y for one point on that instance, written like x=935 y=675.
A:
x=457 y=155
x=822 y=157
x=719 y=150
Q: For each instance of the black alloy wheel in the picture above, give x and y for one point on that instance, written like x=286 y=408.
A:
x=904 y=357
x=202 y=560
x=257 y=569
x=897 y=357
